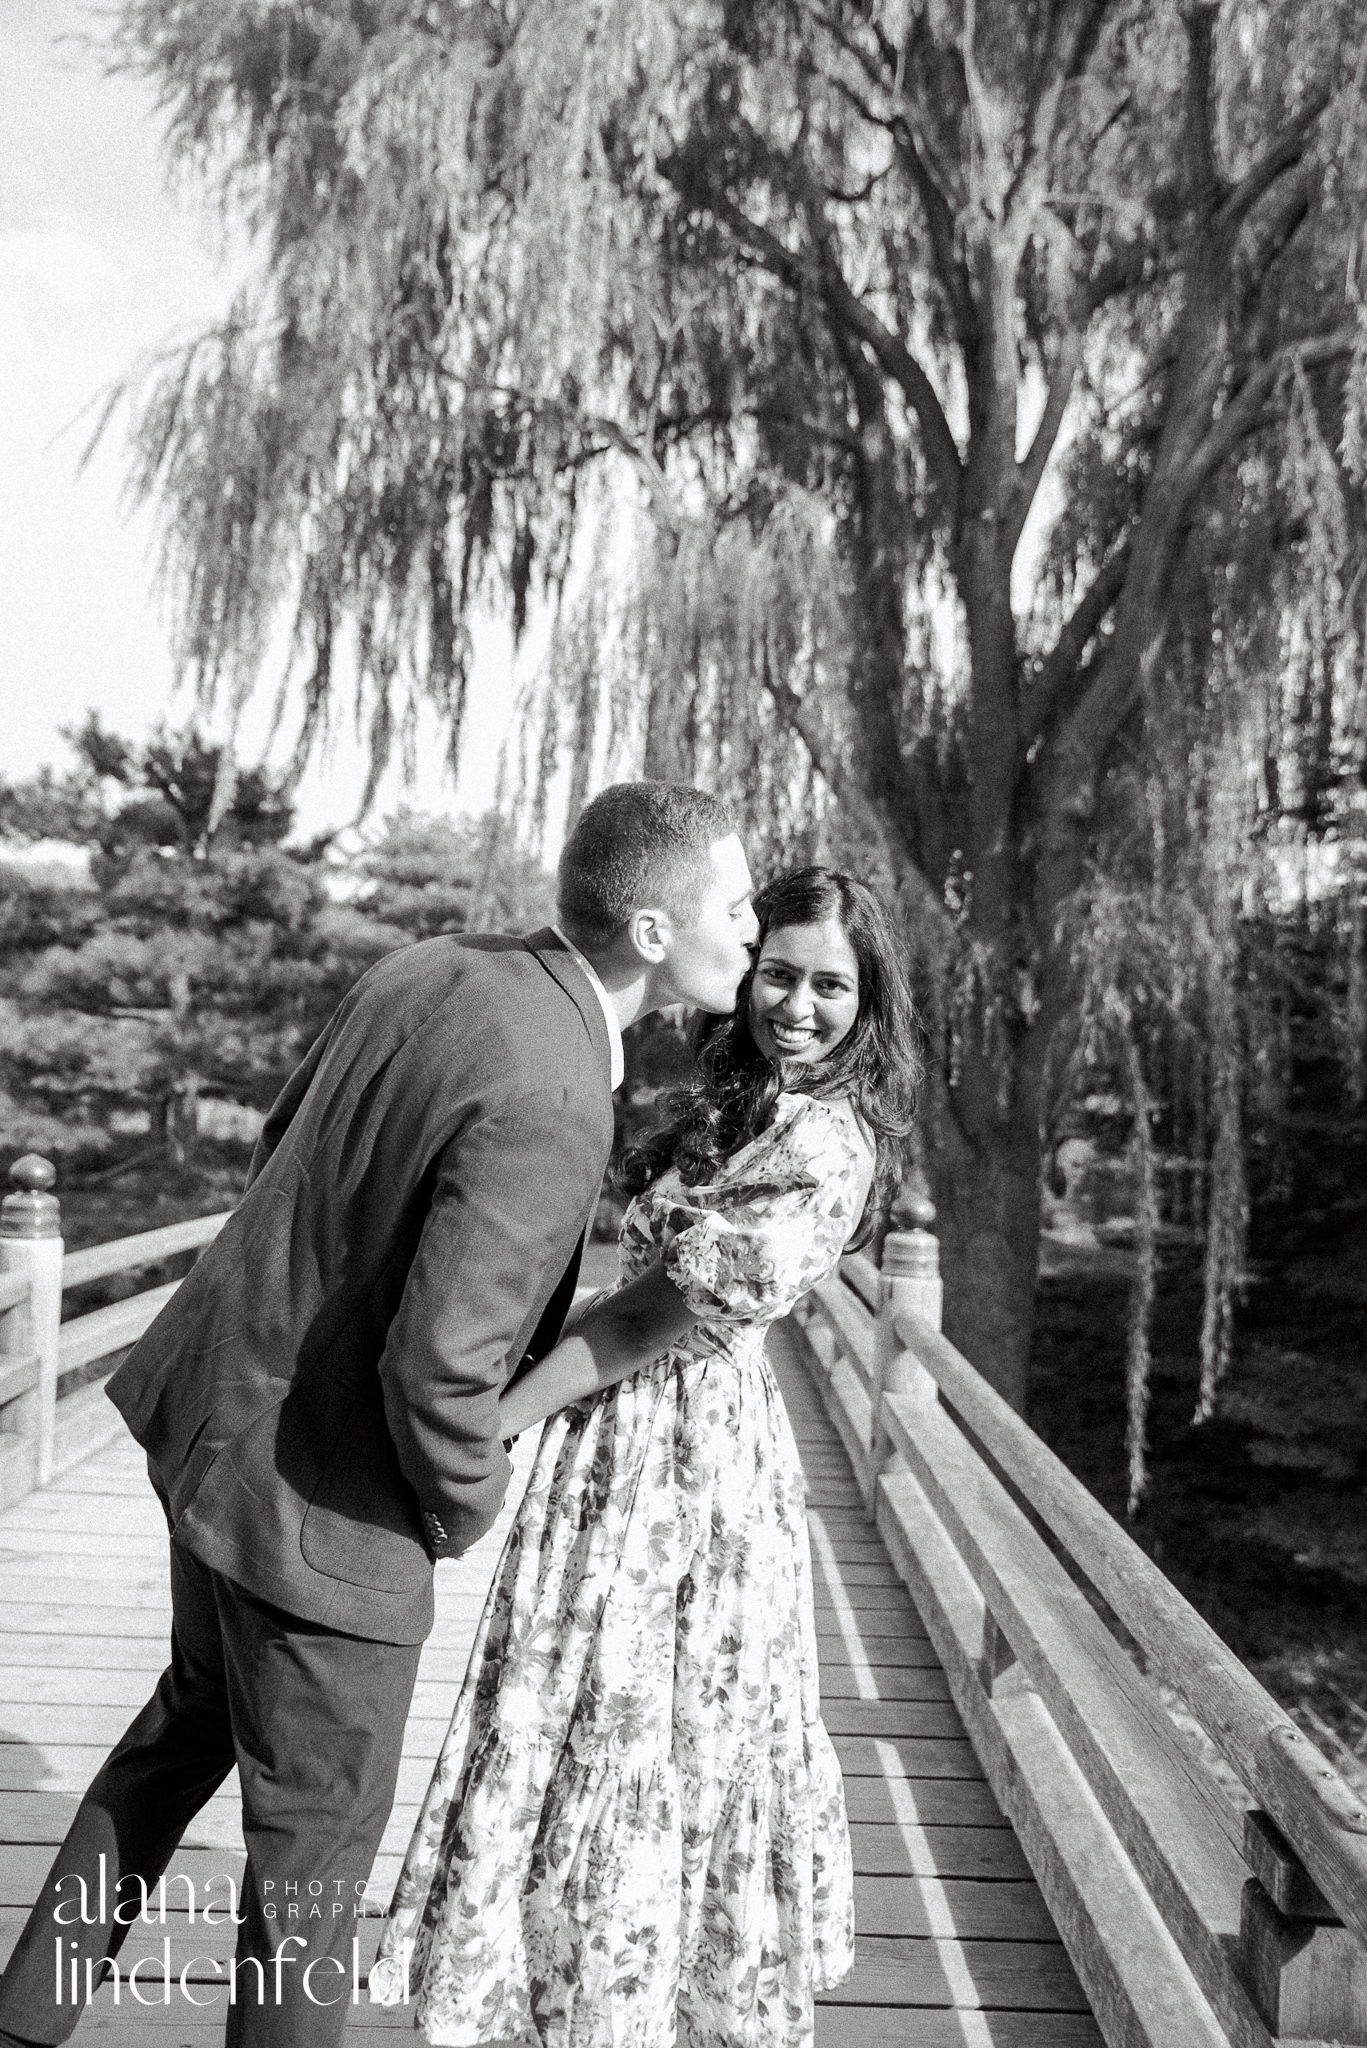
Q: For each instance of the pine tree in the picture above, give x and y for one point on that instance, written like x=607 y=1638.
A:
x=185 y=962
x=200 y=956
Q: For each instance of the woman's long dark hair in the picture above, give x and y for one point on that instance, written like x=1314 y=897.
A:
x=877 y=1065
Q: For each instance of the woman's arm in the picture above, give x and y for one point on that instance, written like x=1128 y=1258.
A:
x=615 y=1337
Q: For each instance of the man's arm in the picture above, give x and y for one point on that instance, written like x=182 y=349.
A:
x=511 y=1188
x=613 y=1337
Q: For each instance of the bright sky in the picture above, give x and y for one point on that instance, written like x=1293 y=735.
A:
x=100 y=261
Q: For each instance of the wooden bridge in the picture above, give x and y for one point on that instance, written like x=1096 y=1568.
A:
x=1040 y=1858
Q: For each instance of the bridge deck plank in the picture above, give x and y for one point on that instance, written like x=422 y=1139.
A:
x=955 y=1945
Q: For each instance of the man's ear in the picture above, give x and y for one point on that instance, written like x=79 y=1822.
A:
x=651 y=933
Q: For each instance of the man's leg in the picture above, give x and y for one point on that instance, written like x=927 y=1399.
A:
x=171 y=1761
x=318 y=1722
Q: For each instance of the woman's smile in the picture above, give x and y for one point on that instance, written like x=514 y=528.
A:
x=790 y=1036
x=804 y=999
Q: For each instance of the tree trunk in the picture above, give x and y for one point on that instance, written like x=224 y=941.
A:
x=175 y=1119
x=984 y=1174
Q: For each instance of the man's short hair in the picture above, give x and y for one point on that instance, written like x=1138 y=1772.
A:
x=638 y=845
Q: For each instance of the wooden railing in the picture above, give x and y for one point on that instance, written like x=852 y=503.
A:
x=52 y=1411
x=1199 y=1905
x=1227 y=1911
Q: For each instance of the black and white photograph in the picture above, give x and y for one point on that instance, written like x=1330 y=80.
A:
x=683 y=1023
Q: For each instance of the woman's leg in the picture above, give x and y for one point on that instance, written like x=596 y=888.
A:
x=544 y=1849
x=744 y=1709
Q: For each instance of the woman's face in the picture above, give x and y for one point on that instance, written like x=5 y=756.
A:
x=804 y=998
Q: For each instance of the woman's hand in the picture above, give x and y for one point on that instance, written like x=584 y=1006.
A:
x=613 y=1337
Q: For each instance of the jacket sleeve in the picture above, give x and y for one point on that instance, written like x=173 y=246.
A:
x=282 y=1111
x=512 y=1187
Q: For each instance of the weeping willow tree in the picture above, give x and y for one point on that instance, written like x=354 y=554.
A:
x=936 y=422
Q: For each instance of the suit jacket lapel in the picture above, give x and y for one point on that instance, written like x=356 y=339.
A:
x=560 y=963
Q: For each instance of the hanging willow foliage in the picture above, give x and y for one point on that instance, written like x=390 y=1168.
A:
x=1247 y=809
x=1152 y=973
x=940 y=425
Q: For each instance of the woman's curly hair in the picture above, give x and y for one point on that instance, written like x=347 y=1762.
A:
x=878 y=1065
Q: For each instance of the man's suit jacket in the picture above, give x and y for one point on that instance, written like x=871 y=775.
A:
x=319 y=1399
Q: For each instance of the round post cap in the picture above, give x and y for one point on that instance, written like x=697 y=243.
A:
x=911 y=1255
x=31 y=1211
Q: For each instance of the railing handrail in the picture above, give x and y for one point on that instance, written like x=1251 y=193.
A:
x=45 y=1425
x=143 y=1248
x=1190 y=1913
x=14 y=1288
x=858 y=1271
x=18 y=1376
x=1317 y=1810
x=86 y=1339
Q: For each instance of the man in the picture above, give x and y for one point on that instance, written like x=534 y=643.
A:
x=319 y=1400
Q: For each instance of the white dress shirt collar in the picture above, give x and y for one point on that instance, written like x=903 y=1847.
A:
x=609 y=1014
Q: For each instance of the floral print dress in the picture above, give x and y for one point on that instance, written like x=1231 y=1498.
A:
x=635 y=1834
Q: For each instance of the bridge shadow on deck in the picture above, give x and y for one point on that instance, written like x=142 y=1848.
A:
x=955 y=1946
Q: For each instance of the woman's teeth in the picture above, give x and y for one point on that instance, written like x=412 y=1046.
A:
x=792 y=1034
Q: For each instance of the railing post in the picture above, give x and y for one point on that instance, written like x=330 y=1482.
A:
x=31 y=1243
x=910 y=1279
x=1306 y=1972
x=911 y=1260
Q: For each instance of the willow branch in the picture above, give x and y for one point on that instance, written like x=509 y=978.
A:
x=1203 y=169
x=798 y=714
x=831 y=286
x=940 y=223
x=1046 y=701
x=1074 y=33
x=662 y=498
x=936 y=206
x=1244 y=410
x=1030 y=470
x=1092 y=723
x=937 y=211
x=1283 y=153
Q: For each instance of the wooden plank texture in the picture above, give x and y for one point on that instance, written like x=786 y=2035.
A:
x=955 y=1944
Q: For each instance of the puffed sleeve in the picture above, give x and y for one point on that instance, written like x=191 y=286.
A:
x=773 y=1235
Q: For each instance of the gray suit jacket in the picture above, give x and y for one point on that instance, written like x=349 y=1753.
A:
x=319 y=1399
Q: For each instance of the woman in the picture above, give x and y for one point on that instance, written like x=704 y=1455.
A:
x=636 y=1830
